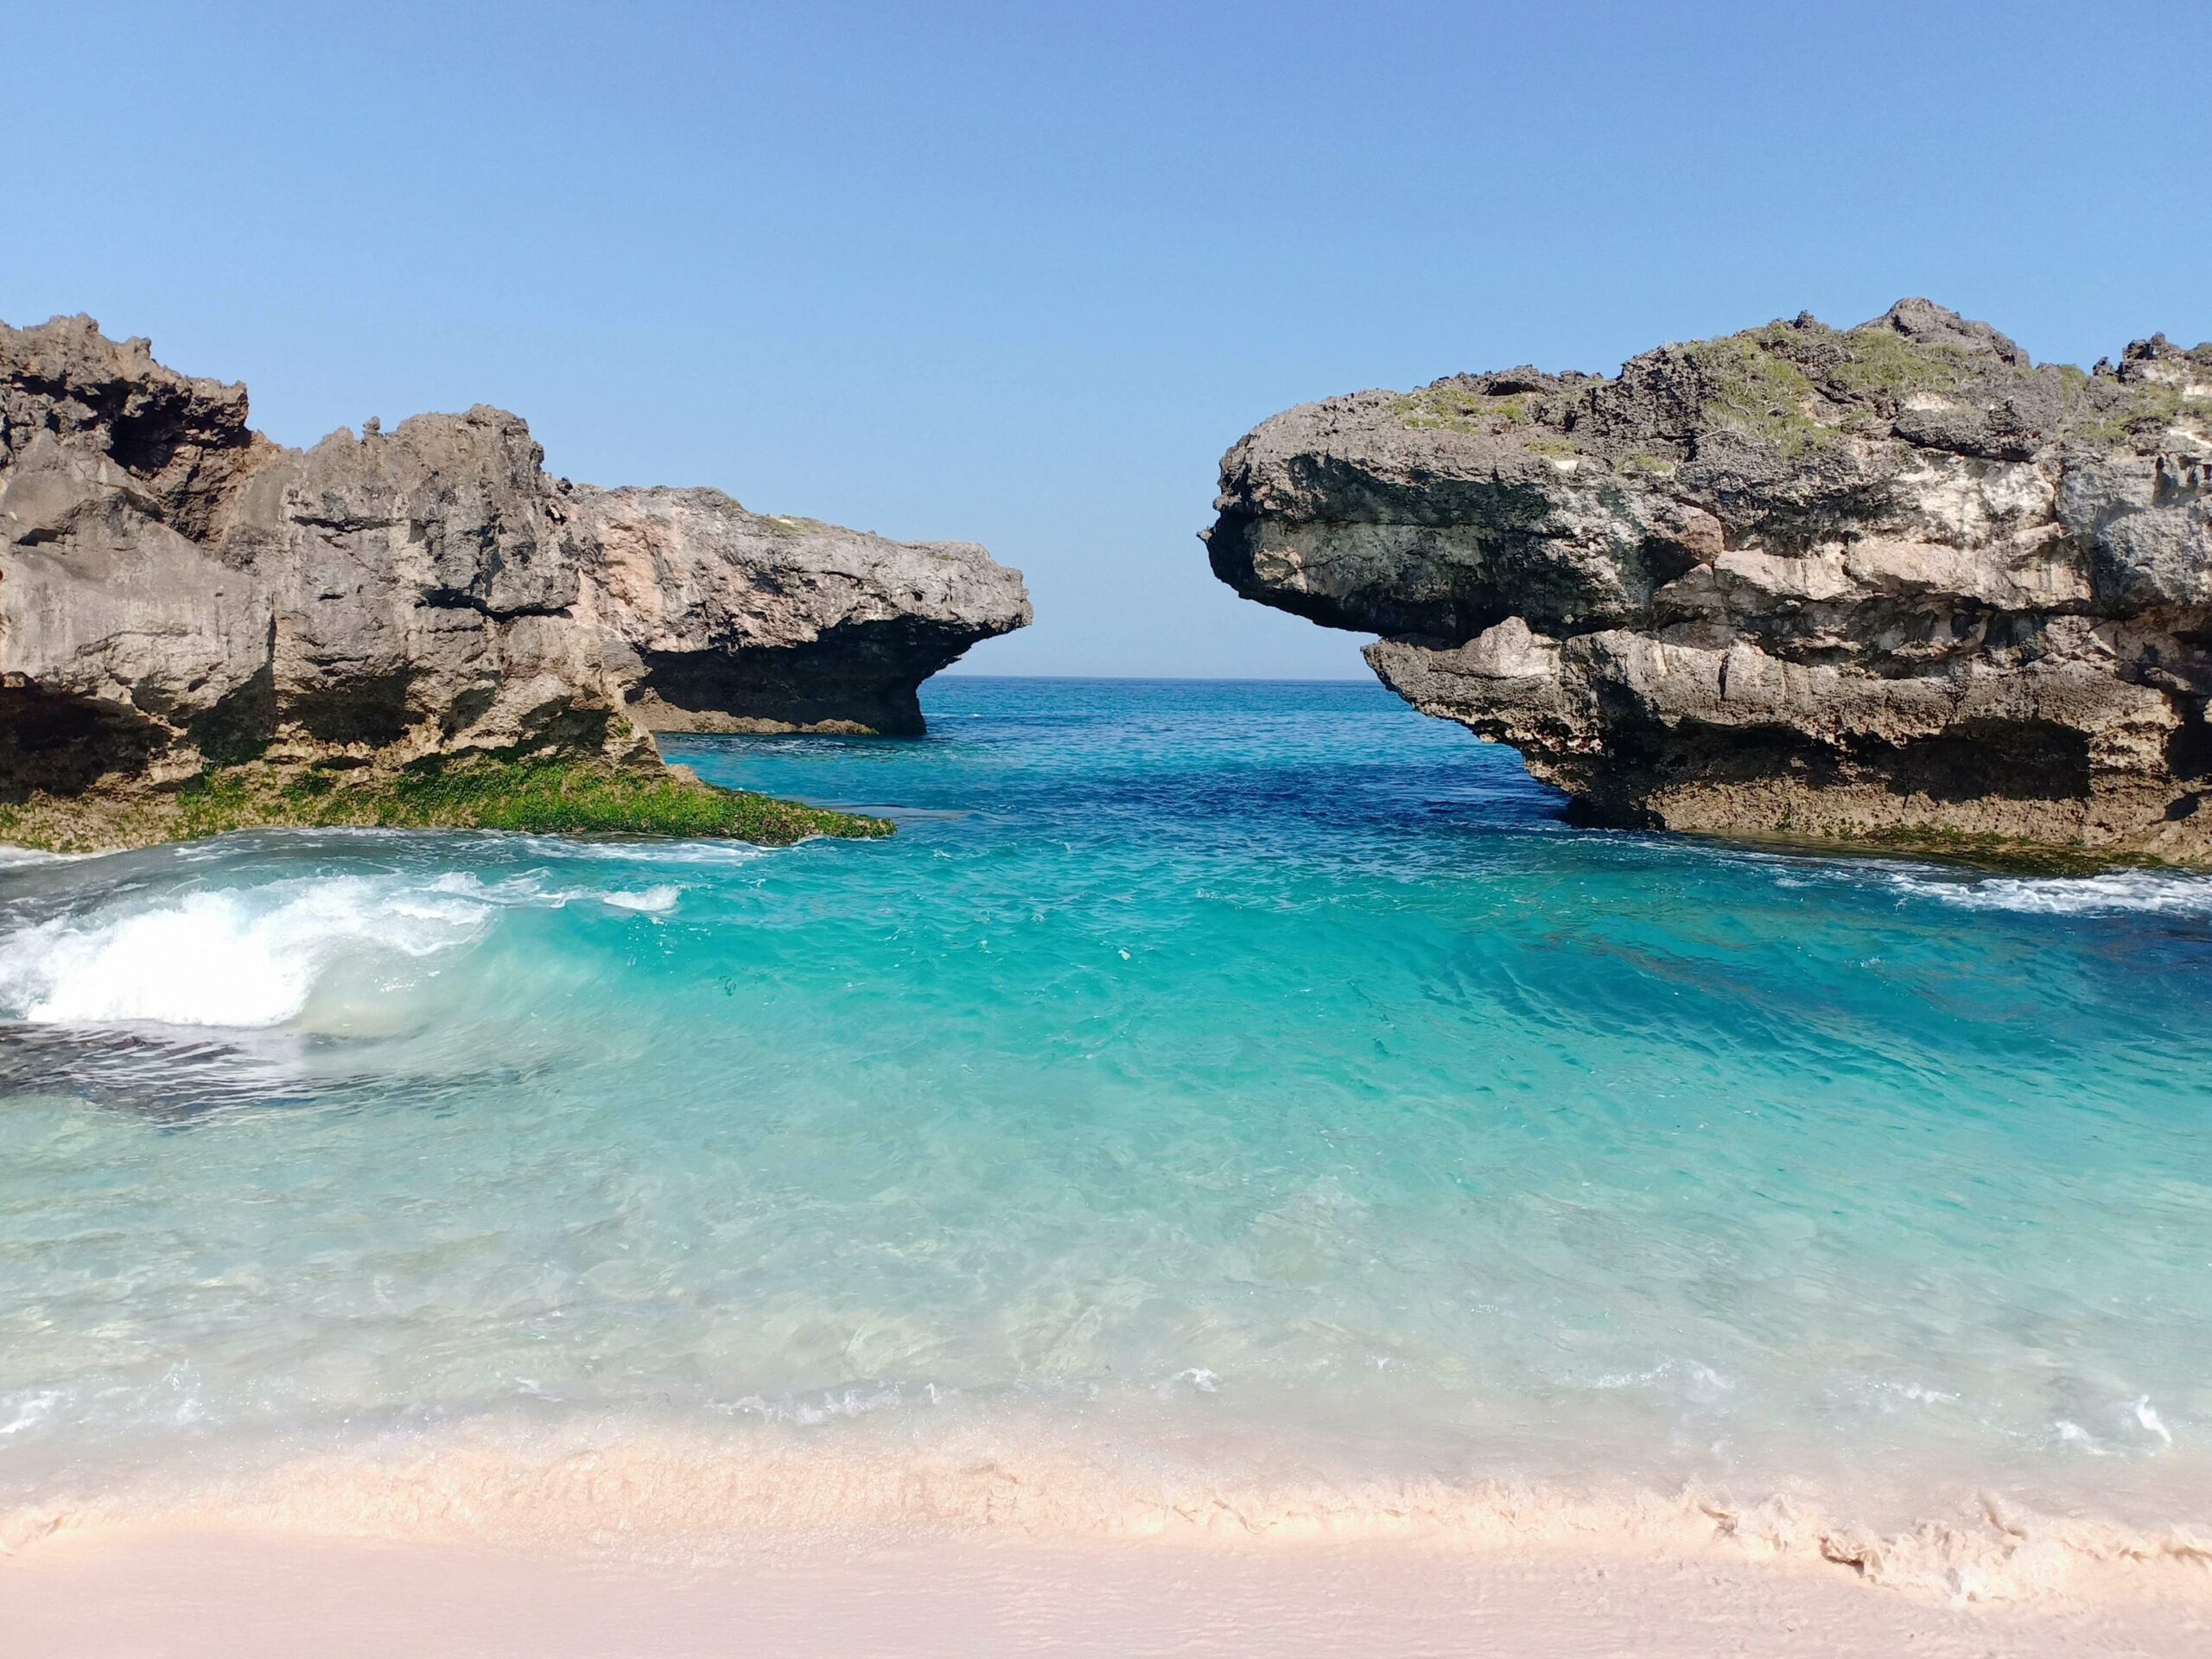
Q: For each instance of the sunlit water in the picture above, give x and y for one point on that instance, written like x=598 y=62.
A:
x=1239 y=1070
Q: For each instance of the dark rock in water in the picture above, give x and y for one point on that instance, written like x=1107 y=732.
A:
x=1892 y=583
x=178 y=593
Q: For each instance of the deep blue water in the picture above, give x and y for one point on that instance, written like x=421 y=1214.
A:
x=1224 y=1064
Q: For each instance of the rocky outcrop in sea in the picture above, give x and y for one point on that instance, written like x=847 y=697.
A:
x=1894 y=581
x=741 y=622
x=178 y=593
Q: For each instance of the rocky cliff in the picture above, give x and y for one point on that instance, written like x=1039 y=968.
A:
x=179 y=594
x=1892 y=581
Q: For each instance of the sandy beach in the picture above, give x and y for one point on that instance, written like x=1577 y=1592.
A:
x=485 y=1546
x=179 y=1594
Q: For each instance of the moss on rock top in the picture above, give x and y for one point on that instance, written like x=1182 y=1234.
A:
x=1795 y=388
x=535 y=796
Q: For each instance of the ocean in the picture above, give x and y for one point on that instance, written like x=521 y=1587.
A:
x=1221 y=1103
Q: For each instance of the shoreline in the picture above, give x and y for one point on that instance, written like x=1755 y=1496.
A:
x=186 y=1592
x=637 y=1500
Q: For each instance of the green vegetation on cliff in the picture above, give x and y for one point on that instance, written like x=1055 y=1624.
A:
x=1753 y=390
x=537 y=797
x=1453 y=406
x=1878 y=362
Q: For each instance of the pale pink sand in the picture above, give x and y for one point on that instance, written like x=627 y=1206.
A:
x=195 y=1593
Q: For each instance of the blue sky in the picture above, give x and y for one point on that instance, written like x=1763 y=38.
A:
x=1019 y=274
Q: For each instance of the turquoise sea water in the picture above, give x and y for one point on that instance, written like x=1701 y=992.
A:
x=1256 y=1071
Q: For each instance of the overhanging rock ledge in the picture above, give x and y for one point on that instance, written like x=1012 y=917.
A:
x=1893 y=582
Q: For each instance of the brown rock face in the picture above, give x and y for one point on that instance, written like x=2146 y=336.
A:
x=177 y=592
x=1893 y=579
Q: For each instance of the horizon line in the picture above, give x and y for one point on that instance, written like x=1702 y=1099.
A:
x=1179 y=679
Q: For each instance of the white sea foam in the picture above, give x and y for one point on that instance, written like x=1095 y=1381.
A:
x=530 y=888
x=1699 y=1381
x=651 y=901
x=12 y=855
x=2072 y=1433
x=1196 y=1377
x=1917 y=1394
x=252 y=957
x=241 y=958
x=2147 y=1415
x=831 y=1405
x=25 y=1411
x=2114 y=891
x=712 y=854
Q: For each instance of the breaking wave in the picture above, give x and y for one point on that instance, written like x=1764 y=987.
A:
x=2113 y=893
x=250 y=957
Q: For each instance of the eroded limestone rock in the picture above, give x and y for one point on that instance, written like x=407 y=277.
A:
x=746 y=623
x=1889 y=579
x=176 y=592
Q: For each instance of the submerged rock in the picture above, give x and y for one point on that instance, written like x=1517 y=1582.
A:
x=179 y=594
x=1893 y=582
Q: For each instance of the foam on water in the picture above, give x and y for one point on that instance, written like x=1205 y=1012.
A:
x=651 y=901
x=249 y=958
x=224 y=958
x=2145 y=892
x=1256 y=1097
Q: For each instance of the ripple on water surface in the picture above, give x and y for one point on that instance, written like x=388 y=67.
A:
x=1205 y=1070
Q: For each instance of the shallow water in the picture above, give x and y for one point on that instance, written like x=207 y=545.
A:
x=1257 y=1073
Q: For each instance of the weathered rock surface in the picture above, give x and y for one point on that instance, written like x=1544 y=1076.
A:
x=1889 y=580
x=177 y=592
x=742 y=623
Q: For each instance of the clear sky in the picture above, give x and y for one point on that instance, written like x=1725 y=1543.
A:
x=1019 y=274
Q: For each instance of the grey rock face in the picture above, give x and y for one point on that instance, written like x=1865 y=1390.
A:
x=176 y=591
x=1838 y=584
x=741 y=622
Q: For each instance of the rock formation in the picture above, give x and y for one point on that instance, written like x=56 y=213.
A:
x=1893 y=582
x=177 y=592
x=742 y=623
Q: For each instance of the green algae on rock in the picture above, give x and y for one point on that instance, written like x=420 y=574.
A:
x=539 y=796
